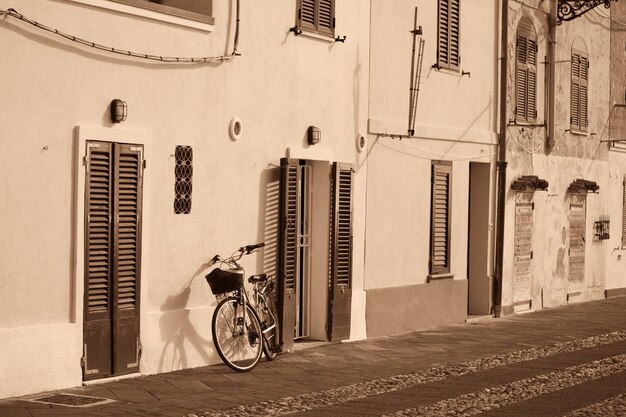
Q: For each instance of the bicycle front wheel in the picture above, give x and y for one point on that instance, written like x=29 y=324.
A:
x=238 y=341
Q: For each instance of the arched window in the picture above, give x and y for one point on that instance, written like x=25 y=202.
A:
x=526 y=72
x=579 y=90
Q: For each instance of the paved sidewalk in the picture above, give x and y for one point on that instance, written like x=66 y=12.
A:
x=381 y=374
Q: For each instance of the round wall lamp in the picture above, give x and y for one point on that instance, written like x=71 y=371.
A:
x=361 y=142
x=313 y=135
x=119 y=110
x=235 y=128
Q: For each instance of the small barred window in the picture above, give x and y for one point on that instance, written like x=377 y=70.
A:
x=184 y=173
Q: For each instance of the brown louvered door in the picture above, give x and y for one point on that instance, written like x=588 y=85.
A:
x=576 y=251
x=440 y=218
x=340 y=296
x=288 y=254
x=523 y=249
x=112 y=259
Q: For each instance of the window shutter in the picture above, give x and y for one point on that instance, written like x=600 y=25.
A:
x=340 y=297
x=448 y=49
x=526 y=72
x=579 y=99
x=440 y=218
x=316 y=16
x=306 y=14
x=455 y=33
x=325 y=17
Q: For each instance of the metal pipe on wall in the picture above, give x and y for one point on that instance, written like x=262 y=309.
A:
x=501 y=164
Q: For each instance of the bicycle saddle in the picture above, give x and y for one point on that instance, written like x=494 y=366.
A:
x=257 y=278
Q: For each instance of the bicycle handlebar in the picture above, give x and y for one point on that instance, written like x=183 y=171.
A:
x=249 y=248
x=244 y=250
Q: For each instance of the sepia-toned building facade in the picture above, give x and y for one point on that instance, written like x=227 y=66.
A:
x=359 y=140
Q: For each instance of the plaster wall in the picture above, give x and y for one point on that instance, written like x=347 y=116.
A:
x=559 y=160
x=279 y=86
x=455 y=121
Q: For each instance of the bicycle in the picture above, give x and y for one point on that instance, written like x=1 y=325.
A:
x=241 y=329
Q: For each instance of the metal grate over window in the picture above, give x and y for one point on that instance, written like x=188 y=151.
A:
x=184 y=173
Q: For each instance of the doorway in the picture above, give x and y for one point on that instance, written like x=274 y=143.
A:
x=113 y=213
x=478 y=268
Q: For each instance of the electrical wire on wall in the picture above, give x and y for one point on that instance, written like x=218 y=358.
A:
x=123 y=52
x=440 y=155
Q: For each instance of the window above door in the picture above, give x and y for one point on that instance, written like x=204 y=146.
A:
x=199 y=10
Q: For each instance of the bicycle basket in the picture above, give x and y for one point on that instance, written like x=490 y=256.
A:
x=222 y=281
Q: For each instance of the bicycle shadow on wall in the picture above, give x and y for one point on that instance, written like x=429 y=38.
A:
x=178 y=333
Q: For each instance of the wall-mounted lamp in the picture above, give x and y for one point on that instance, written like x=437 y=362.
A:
x=119 y=110
x=314 y=135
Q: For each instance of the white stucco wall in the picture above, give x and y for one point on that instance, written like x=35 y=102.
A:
x=279 y=86
x=455 y=121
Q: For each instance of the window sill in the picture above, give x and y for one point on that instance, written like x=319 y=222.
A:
x=578 y=132
x=148 y=14
x=317 y=36
x=438 y=277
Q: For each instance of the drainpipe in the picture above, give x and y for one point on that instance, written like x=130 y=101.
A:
x=551 y=124
x=501 y=164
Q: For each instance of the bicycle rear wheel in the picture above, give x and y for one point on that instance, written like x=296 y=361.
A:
x=238 y=342
x=271 y=332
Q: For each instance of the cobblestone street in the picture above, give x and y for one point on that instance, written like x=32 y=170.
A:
x=568 y=361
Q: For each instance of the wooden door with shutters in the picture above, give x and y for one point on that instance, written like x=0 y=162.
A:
x=340 y=296
x=576 y=251
x=113 y=203
x=523 y=250
x=288 y=262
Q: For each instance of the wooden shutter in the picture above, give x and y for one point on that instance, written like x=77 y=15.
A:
x=317 y=16
x=113 y=201
x=98 y=260
x=448 y=49
x=340 y=297
x=624 y=214
x=288 y=253
x=526 y=72
x=577 y=230
x=440 y=218
x=523 y=248
x=127 y=255
x=579 y=99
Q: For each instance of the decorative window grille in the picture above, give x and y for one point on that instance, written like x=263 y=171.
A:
x=526 y=72
x=199 y=10
x=316 y=16
x=579 y=100
x=440 y=217
x=449 y=33
x=184 y=173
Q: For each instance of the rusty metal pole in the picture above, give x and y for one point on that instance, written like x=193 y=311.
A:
x=501 y=164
